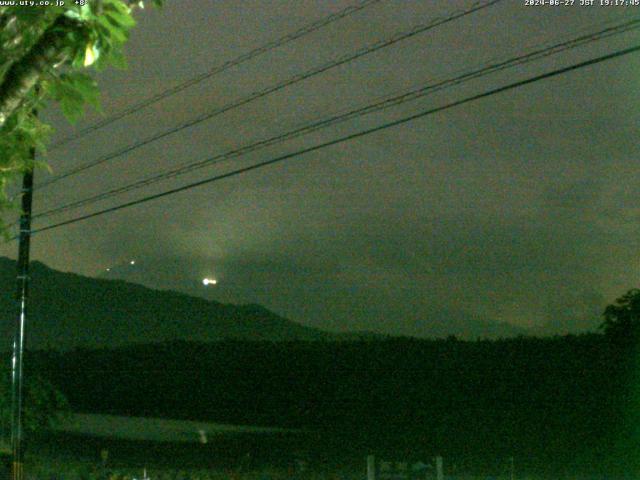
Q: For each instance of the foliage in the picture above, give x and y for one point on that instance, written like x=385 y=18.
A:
x=44 y=53
x=44 y=404
x=622 y=319
x=548 y=402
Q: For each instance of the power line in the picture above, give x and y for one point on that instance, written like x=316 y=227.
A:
x=416 y=30
x=396 y=100
x=346 y=138
x=404 y=97
x=306 y=30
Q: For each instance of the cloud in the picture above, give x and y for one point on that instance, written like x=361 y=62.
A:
x=520 y=207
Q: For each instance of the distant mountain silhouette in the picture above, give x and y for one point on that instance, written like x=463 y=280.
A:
x=463 y=325
x=70 y=311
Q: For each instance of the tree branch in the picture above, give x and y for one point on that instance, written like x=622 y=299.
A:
x=49 y=51
x=18 y=34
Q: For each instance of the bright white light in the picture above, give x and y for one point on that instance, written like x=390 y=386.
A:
x=132 y=262
x=108 y=269
x=209 y=281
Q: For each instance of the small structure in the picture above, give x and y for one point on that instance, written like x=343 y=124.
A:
x=402 y=470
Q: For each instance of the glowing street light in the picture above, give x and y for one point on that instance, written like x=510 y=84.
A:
x=209 y=281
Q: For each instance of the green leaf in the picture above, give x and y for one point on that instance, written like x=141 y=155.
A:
x=72 y=108
x=85 y=11
x=72 y=13
x=72 y=91
x=115 y=29
x=87 y=87
x=120 y=12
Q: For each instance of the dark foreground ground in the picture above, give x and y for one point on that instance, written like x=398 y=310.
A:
x=280 y=457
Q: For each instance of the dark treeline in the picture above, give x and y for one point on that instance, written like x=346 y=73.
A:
x=553 y=403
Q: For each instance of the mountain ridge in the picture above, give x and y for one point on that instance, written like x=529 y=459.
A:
x=92 y=312
x=67 y=311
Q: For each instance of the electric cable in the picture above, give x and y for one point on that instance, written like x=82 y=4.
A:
x=404 y=97
x=352 y=136
x=290 y=37
x=416 y=30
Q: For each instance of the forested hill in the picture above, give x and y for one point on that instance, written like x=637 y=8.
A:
x=74 y=311
x=69 y=311
x=557 y=401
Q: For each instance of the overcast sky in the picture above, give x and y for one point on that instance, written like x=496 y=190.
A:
x=521 y=207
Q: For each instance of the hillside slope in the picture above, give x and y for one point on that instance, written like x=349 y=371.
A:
x=69 y=311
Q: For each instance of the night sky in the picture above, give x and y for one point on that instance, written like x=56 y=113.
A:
x=520 y=208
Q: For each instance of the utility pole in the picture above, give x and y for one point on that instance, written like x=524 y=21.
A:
x=19 y=336
x=439 y=469
x=371 y=467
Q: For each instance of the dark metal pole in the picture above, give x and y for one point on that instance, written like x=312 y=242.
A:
x=18 y=340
